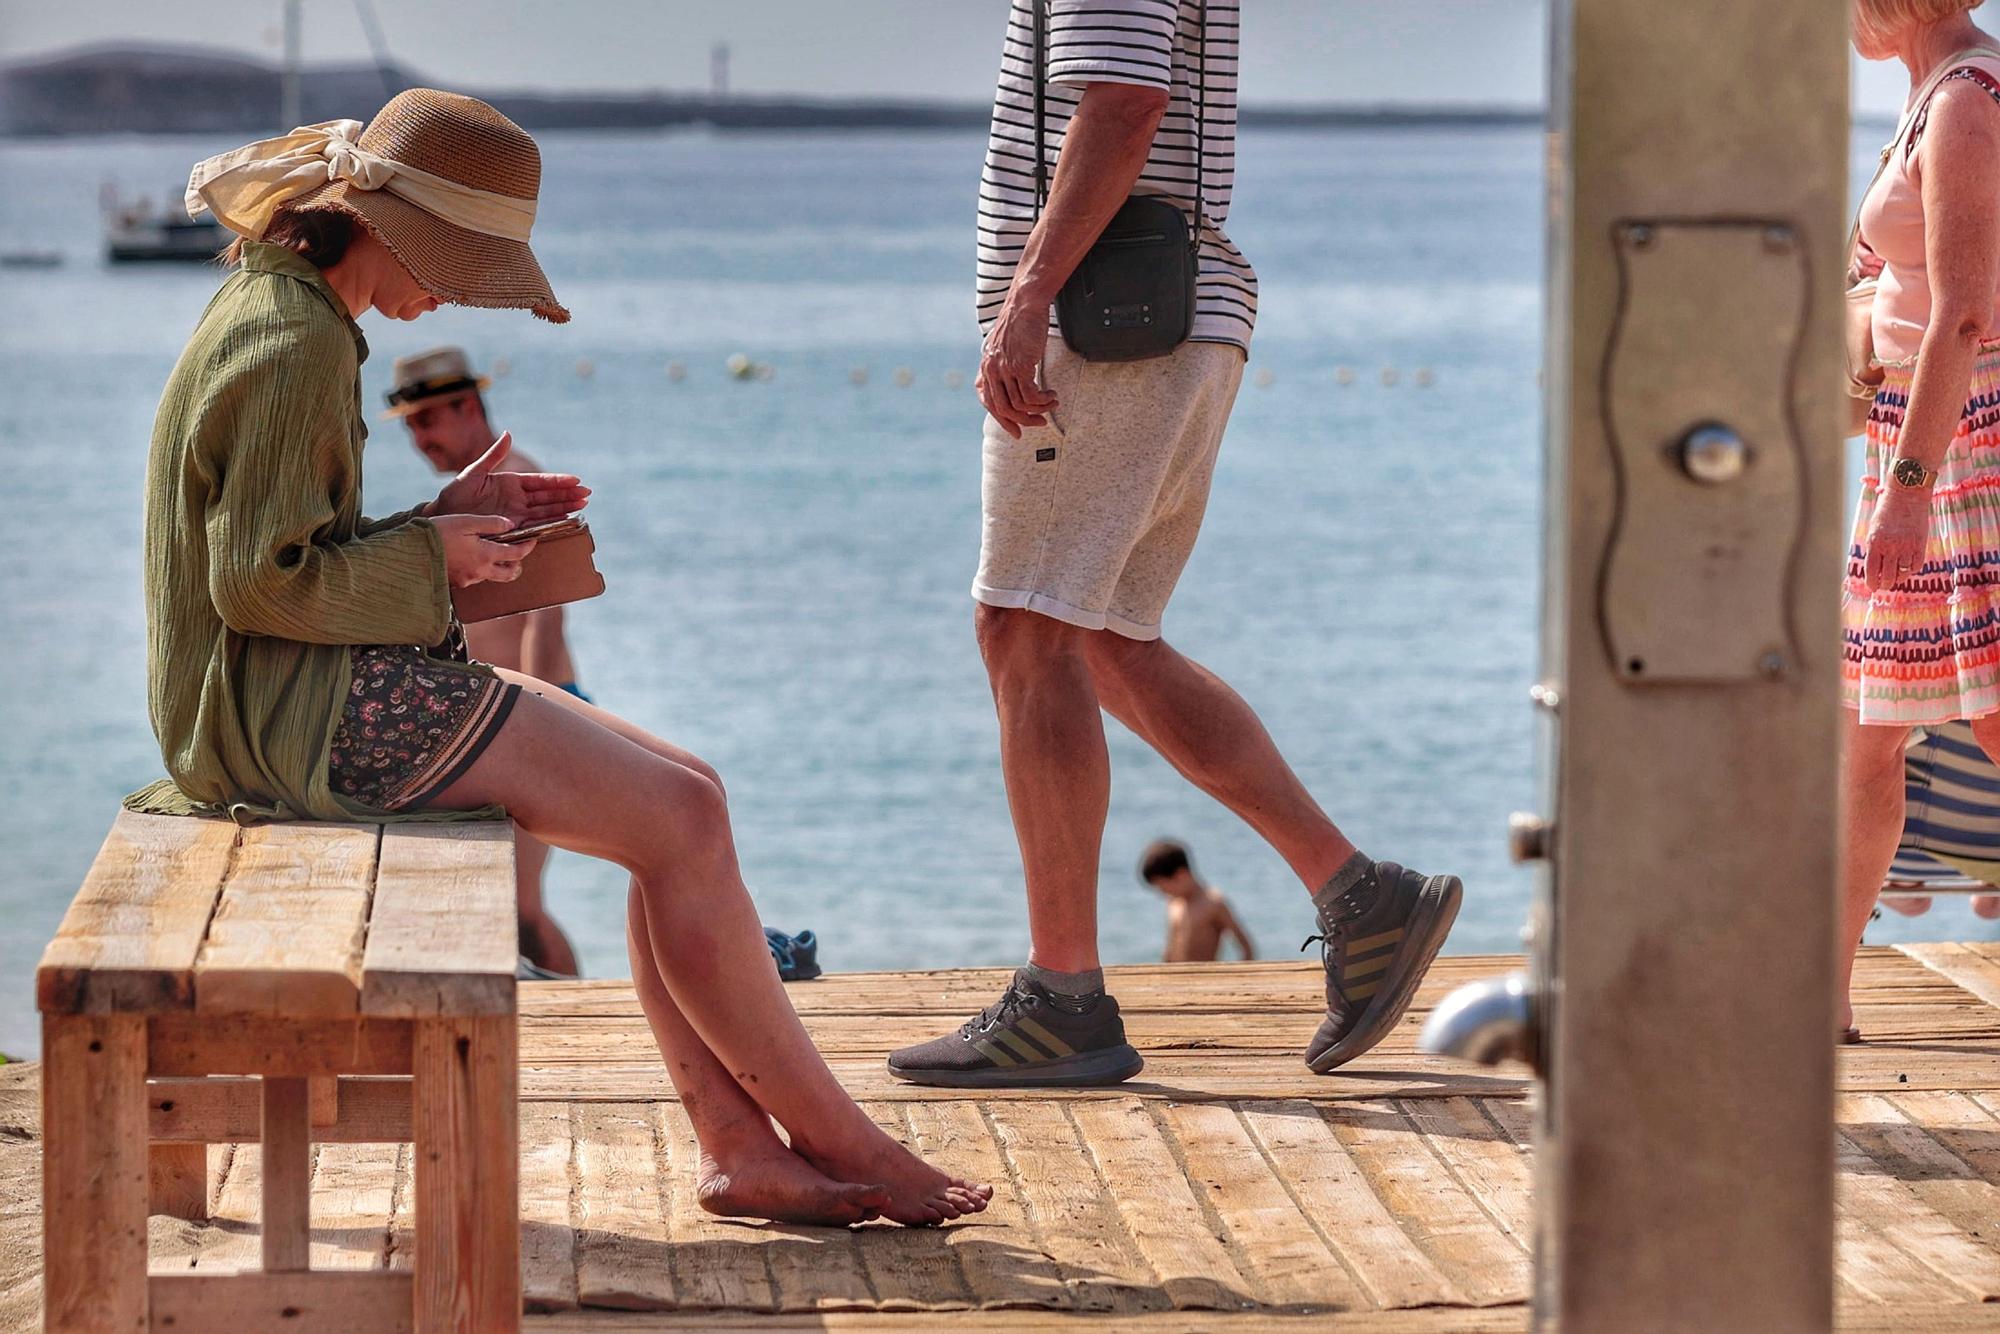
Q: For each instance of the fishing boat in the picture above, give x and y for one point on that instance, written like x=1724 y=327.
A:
x=139 y=233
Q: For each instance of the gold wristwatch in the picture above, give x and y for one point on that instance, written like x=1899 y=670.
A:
x=1910 y=475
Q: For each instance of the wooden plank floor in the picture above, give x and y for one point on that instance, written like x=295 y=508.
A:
x=1225 y=1186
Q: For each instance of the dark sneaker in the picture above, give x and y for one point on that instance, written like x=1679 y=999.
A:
x=1376 y=941
x=1025 y=1040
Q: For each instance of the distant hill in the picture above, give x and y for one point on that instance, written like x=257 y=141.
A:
x=181 y=90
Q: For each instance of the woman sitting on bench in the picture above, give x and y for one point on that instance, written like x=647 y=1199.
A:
x=297 y=661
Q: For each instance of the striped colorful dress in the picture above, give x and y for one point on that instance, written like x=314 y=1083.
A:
x=1926 y=650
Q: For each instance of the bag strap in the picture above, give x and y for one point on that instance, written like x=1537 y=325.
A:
x=1908 y=122
x=1200 y=115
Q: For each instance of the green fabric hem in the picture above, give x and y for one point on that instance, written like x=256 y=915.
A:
x=163 y=797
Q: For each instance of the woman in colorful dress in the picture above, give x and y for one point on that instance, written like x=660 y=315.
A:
x=297 y=659
x=1921 y=609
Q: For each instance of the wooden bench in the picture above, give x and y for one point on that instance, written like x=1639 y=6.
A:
x=284 y=984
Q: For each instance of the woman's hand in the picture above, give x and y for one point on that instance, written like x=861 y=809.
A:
x=1898 y=533
x=470 y=559
x=522 y=497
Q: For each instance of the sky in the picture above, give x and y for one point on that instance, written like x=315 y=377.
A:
x=1294 y=51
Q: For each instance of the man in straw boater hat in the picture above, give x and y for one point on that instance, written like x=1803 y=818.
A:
x=295 y=661
x=441 y=401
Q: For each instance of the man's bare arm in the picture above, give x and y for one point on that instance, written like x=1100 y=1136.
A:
x=1103 y=153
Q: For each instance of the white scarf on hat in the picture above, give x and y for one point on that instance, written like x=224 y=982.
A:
x=244 y=188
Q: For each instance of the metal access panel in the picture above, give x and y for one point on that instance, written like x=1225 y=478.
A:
x=1684 y=933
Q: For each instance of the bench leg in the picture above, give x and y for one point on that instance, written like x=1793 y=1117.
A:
x=465 y=1125
x=286 y=1175
x=178 y=1180
x=94 y=1172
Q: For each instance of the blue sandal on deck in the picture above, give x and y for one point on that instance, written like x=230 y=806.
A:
x=797 y=956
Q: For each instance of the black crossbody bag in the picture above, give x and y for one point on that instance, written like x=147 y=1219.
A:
x=1133 y=294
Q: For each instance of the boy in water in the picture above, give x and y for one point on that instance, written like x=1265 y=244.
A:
x=1198 y=917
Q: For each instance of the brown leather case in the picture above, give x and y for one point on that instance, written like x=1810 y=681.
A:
x=560 y=569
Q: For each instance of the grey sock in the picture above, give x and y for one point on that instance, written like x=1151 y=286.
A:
x=1074 y=992
x=1351 y=873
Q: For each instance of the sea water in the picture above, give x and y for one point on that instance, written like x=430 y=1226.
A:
x=788 y=557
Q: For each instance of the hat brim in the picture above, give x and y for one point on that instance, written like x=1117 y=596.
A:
x=452 y=263
x=480 y=384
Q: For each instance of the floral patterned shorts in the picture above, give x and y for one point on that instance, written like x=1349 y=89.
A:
x=412 y=726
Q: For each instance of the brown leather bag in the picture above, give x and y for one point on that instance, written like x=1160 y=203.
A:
x=560 y=569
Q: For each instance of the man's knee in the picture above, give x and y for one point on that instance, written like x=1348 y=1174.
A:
x=1118 y=657
x=1013 y=639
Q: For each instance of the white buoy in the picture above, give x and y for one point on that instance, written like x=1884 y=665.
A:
x=905 y=377
x=676 y=372
x=1425 y=377
x=584 y=370
x=1265 y=378
x=501 y=368
x=764 y=371
x=739 y=366
x=858 y=376
x=954 y=379
x=1390 y=375
x=1344 y=376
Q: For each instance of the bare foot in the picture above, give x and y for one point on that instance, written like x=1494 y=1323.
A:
x=1986 y=905
x=1907 y=907
x=919 y=1194
x=785 y=1188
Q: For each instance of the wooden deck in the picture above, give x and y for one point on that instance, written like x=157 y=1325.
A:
x=1227 y=1186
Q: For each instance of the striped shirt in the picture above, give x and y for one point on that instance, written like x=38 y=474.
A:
x=1155 y=43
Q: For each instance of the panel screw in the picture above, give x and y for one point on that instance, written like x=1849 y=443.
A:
x=1772 y=665
x=1779 y=240
x=1714 y=454
x=1527 y=838
x=1639 y=236
x=1545 y=696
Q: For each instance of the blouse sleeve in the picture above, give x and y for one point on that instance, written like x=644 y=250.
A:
x=273 y=434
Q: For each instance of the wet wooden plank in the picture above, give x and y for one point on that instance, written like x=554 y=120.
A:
x=1069 y=1206
x=1336 y=1196
x=1002 y=1262
x=1161 y=1213
x=718 y=1264
x=442 y=936
x=1276 y=1246
x=623 y=1259
x=131 y=936
x=288 y=930
x=1432 y=1205
x=548 y=1241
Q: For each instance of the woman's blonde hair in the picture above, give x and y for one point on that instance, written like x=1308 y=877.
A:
x=1881 y=20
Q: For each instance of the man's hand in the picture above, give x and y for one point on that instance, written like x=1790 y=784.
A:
x=1898 y=532
x=1010 y=364
x=521 y=497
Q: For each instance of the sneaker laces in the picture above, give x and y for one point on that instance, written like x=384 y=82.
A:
x=1345 y=911
x=1014 y=999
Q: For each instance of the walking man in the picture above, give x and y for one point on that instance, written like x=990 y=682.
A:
x=1096 y=474
x=442 y=403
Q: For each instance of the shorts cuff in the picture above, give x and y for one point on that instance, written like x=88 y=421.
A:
x=1056 y=609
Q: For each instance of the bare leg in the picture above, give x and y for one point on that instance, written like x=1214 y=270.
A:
x=1206 y=731
x=1058 y=775
x=541 y=939
x=1872 y=804
x=1986 y=731
x=746 y=1170
x=582 y=779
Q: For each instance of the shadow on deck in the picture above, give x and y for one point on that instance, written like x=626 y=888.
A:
x=1227 y=1186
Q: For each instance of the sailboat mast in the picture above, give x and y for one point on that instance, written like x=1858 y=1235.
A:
x=289 y=115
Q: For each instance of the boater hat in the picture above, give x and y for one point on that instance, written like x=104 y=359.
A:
x=447 y=183
x=442 y=372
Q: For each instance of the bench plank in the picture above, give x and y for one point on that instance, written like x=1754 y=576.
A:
x=130 y=938
x=443 y=939
x=288 y=931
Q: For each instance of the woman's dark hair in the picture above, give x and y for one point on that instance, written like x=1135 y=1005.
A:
x=321 y=235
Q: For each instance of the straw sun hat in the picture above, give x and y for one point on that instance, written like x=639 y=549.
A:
x=447 y=183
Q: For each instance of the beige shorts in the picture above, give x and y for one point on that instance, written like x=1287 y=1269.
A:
x=1091 y=518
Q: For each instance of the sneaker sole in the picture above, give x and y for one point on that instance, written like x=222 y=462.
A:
x=1437 y=909
x=1113 y=1065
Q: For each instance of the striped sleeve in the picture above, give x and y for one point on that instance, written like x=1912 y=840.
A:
x=1112 y=41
